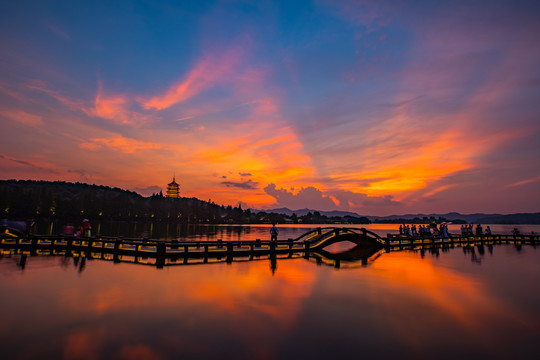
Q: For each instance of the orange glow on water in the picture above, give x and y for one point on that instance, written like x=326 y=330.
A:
x=138 y=311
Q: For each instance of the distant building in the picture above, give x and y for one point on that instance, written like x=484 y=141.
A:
x=173 y=189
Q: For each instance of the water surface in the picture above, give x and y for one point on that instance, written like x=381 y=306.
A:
x=479 y=302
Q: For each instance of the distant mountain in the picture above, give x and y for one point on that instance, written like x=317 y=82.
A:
x=521 y=218
x=470 y=218
x=530 y=219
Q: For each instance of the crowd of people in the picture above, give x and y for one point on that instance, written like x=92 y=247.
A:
x=424 y=230
x=467 y=230
x=441 y=230
x=83 y=230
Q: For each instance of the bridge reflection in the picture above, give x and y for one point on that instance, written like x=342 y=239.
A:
x=315 y=246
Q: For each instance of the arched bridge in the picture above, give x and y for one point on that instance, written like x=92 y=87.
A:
x=323 y=237
x=172 y=252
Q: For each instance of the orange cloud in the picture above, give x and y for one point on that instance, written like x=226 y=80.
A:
x=271 y=152
x=206 y=73
x=115 y=107
x=112 y=107
x=404 y=154
x=119 y=143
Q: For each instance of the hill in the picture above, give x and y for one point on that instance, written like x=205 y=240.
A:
x=24 y=199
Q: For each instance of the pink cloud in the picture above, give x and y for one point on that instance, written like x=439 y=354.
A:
x=264 y=107
x=69 y=102
x=525 y=182
x=208 y=72
x=22 y=117
x=119 y=143
x=112 y=107
x=116 y=107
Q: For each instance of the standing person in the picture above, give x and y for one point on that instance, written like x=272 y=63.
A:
x=86 y=228
x=488 y=230
x=479 y=230
x=273 y=232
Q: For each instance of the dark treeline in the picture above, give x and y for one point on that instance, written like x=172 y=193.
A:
x=417 y=220
x=27 y=199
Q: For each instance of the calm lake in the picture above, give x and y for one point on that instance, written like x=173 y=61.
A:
x=473 y=303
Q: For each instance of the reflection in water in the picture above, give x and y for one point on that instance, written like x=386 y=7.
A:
x=202 y=232
x=439 y=305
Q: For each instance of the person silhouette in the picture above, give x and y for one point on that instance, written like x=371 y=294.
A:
x=273 y=232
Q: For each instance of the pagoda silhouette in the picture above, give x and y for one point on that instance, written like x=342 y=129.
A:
x=173 y=189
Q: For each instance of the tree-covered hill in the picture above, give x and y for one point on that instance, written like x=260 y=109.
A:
x=26 y=199
x=20 y=199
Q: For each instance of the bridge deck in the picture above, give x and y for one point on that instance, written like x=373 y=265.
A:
x=313 y=241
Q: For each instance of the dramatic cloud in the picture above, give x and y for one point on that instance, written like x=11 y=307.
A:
x=369 y=106
x=313 y=198
x=308 y=197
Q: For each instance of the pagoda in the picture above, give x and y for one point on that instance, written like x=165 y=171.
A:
x=173 y=189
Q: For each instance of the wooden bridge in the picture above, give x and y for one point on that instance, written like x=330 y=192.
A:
x=311 y=245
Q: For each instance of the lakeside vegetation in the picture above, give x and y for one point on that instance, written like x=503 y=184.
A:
x=39 y=200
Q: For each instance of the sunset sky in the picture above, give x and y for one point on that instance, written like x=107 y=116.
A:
x=376 y=107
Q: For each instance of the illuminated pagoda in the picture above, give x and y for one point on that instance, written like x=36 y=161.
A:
x=173 y=189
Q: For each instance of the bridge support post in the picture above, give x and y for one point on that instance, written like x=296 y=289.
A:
x=68 y=246
x=116 y=256
x=306 y=248
x=160 y=255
